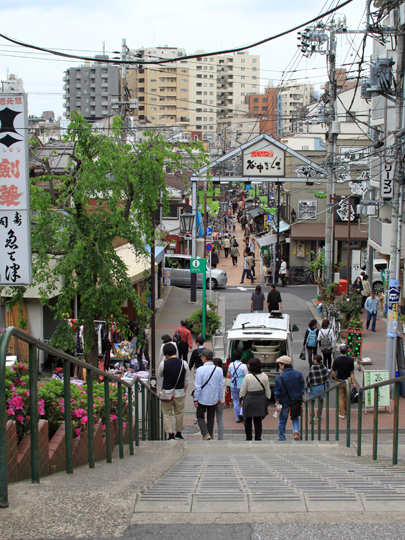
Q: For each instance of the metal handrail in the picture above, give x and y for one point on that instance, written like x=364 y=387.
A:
x=151 y=413
x=310 y=402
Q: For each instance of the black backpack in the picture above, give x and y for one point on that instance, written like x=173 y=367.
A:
x=177 y=338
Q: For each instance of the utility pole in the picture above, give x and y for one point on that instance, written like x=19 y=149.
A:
x=330 y=158
x=124 y=91
x=278 y=184
x=396 y=209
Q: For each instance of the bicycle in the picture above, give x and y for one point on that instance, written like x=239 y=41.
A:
x=333 y=314
x=300 y=275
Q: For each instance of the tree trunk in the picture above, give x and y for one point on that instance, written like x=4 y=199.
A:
x=91 y=345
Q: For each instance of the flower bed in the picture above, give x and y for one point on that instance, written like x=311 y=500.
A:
x=51 y=403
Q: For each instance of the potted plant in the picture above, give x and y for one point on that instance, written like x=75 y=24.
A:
x=355 y=322
x=350 y=308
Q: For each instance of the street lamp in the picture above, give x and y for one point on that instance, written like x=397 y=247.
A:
x=293 y=215
x=186 y=224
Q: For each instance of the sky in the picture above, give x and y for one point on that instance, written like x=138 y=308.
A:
x=82 y=27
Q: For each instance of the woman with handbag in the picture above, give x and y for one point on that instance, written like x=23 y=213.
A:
x=256 y=394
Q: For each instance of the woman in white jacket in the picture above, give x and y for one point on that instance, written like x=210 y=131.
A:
x=327 y=342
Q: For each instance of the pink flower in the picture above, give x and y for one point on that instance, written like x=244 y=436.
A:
x=20 y=419
x=79 y=413
x=10 y=411
x=113 y=417
x=12 y=386
x=23 y=383
x=124 y=424
x=103 y=426
x=17 y=402
x=84 y=420
x=78 y=432
x=41 y=409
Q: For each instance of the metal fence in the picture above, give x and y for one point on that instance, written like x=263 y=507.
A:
x=309 y=411
x=148 y=414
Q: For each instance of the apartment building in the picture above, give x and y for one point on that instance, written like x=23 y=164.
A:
x=264 y=108
x=12 y=84
x=162 y=90
x=218 y=86
x=294 y=99
x=91 y=89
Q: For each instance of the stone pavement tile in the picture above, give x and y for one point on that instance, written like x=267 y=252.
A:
x=224 y=502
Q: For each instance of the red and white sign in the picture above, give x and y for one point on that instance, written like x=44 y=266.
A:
x=15 y=223
x=263 y=159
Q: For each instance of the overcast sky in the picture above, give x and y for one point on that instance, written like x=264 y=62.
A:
x=83 y=25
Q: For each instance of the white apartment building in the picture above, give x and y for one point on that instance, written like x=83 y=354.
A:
x=12 y=84
x=294 y=97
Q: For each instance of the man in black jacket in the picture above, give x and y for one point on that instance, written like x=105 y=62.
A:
x=175 y=375
x=274 y=299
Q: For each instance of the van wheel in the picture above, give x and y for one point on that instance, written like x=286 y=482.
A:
x=378 y=286
x=214 y=283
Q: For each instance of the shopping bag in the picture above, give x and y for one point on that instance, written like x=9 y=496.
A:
x=303 y=355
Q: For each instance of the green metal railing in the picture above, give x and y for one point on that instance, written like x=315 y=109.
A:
x=150 y=410
x=310 y=404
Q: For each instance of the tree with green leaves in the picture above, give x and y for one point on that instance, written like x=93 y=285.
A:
x=73 y=241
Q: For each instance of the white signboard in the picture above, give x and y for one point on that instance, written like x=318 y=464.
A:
x=306 y=209
x=263 y=159
x=387 y=181
x=15 y=224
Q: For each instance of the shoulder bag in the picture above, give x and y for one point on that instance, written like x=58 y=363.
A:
x=168 y=395
x=264 y=390
x=295 y=406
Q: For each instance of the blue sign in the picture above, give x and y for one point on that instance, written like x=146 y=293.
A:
x=270 y=217
x=393 y=303
x=208 y=247
x=209 y=231
x=248 y=187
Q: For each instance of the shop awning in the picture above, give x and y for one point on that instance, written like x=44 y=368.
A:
x=256 y=212
x=316 y=231
x=267 y=240
x=138 y=265
x=159 y=253
x=283 y=226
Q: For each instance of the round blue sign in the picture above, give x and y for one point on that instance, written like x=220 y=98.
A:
x=270 y=217
x=208 y=247
x=209 y=231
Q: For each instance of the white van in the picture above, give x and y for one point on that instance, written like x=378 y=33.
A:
x=263 y=336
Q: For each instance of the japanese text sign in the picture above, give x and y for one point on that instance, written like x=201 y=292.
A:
x=387 y=181
x=393 y=303
x=263 y=159
x=373 y=377
x=15 y=223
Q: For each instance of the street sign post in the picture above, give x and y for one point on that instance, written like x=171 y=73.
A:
x=208 y=247
x=209 y=231
x=199 y=266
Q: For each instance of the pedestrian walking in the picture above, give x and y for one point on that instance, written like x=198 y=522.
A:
x=227 y=246
x=327 y=342
x=176 y=375
x=219 y=411
x=342 y=371
x=166 y=339
x=235 y=254
x=250 y=263
x=186 y=340
x=372 y=304
x=252 y=246
x=289 y=392
x=246 y=271
x=195 y=358
x=138 y=341
x=357 y=285
x=243 y=221
x=234 y=223
x=214 y=258
x=311 y=340
x=317 y=379
x=238 y=370
x=274 y=299
x=283 y=271
x=208 y=393
x=365 y=293
x=255 y=393
x=257 y=302
x=247 y=235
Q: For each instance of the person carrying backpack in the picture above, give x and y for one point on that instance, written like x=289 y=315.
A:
x=238 y=370
x=311 y=340
x=327 y=342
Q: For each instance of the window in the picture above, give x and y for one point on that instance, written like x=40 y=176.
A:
x=153 y=117
x=254 y=77
x=205 y=84
x=198 y=127
x=211 y=76
x=161 y=108
x=211 y=59
x=211 y=118
x=242 y=59
x=199 y=67
x=242 y=85
x=264 y=108
x=211 y=127
x=242 y=77
x=254 y=85
x=183 y=71
x=205 y=93
x=199 y=93
x=205 y=67
x=153 y=89
x=211 y=101
x=153 y=108
x=255 y=108
x=183 y=90
x=161 y=99
x=264 y=100
x=242 y=69
x=254 y=60
x=211 y=93
x=211 y=67
x=199 y=118
x=153 y=99
x=199 y=84
x=211 y=84
x=256 y=100
x=205 y=59
x=183 y=99
x=183 y=80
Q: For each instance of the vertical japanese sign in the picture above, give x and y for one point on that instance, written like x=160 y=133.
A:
x=393 y=303
x=15 y=224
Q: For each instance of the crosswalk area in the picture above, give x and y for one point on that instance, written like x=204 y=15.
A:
x=276 y=483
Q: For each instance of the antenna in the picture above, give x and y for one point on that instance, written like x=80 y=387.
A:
x=103 y=48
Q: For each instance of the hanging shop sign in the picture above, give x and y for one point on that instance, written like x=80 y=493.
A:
x=263 y=159
x=15 y=223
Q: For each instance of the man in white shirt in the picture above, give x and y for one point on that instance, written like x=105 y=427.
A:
x=283 y=271
x=238 y=370
x=207 y=393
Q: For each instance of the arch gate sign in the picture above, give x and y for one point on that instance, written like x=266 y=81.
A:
x=263 y=159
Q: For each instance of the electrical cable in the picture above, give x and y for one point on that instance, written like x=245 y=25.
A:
x=180 y=58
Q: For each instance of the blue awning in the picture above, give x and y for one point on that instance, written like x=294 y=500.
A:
x=159 y=253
